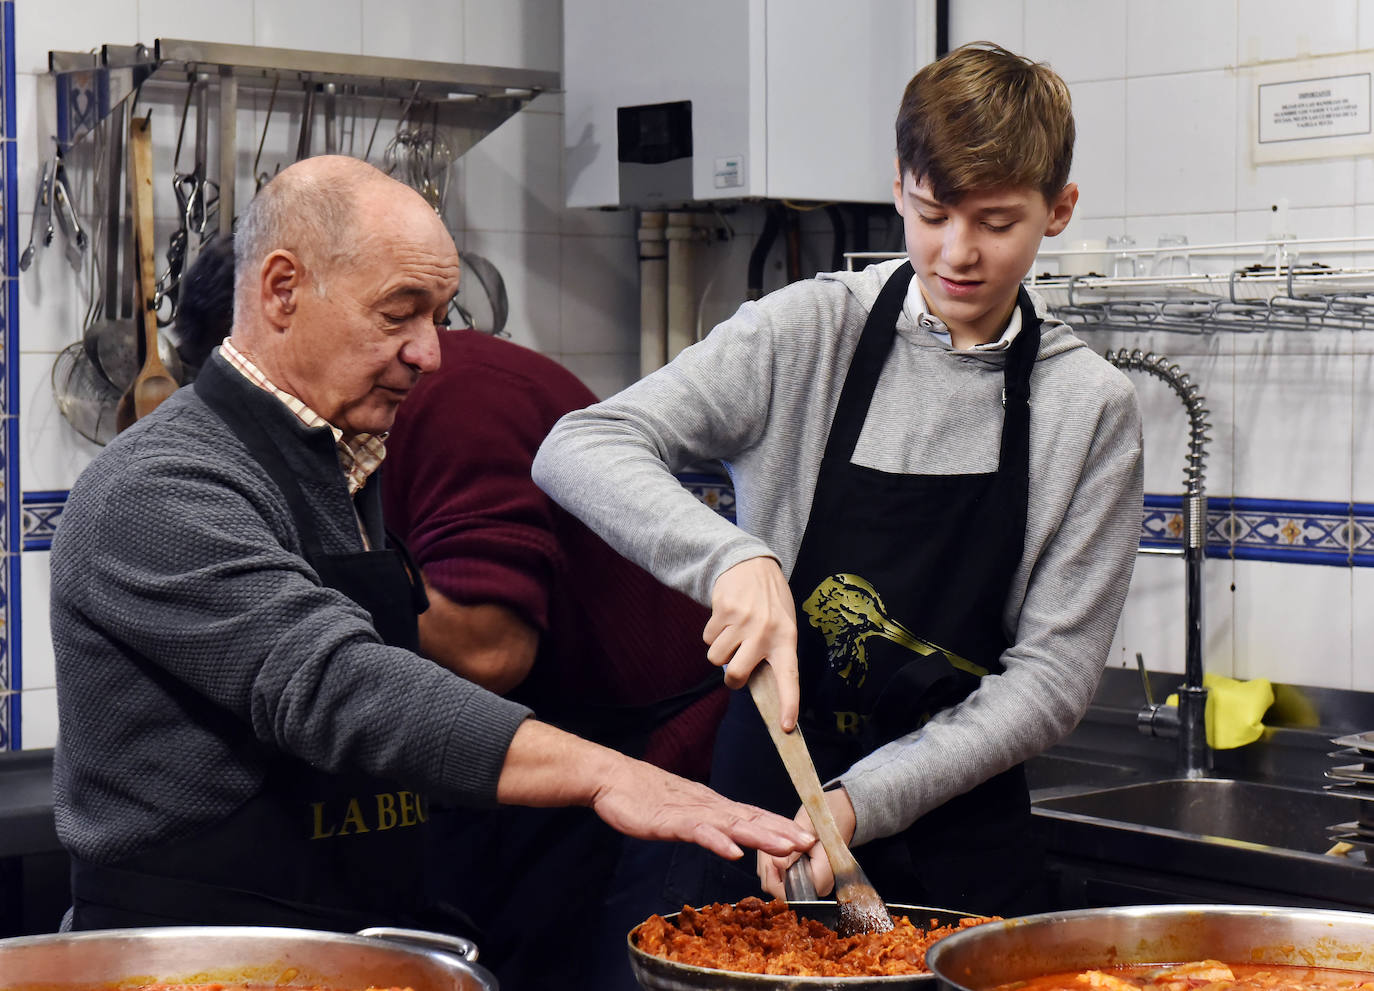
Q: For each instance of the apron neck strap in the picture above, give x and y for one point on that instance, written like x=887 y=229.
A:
x=866 y=366
x=244 y=420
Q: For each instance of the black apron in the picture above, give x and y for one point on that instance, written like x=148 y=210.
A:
x=311 y=849
x=899 y=587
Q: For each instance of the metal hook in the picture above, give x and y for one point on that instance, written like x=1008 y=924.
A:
x=181 y=130
x=271 y=102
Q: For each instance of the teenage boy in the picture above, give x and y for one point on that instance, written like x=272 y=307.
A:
x=938 y=489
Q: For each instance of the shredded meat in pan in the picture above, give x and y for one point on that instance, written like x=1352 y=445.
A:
x=758 y=937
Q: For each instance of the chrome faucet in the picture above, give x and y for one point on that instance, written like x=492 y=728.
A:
x=1187 y=723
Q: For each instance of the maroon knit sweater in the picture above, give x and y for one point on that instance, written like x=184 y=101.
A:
x=456 y=486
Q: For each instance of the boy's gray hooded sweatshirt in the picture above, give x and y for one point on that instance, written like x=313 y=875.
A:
x=759 y=393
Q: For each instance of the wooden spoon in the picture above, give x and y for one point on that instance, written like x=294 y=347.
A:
x=861 y=908
x=153 y=383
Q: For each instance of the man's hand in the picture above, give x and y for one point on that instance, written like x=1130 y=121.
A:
x=772 y=868
x=753 y=619
x=548 y=767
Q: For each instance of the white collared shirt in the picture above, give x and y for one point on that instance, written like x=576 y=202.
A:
x=916 y=310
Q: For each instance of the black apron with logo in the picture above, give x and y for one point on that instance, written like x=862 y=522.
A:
x=311 y=849
x=899 y=585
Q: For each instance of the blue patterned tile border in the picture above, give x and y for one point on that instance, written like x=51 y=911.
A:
x=1340 y=534
x=714 y=490
x=41 y=513
x=1302 y=532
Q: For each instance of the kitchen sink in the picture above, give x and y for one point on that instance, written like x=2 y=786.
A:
x=1201 y=839
x=1060 y=771
x=1246 y=811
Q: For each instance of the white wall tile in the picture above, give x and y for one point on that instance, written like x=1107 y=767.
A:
x=1309 y=222
x=1294 y=421
x=43 y=27
x=1293 y=623
x=1157 y=42
x=53 y=297
x=31 y=153
x=1362 y=661
x=512 y=178
x=195 y=20
x=1274 y=29
x=431 y=30
x=1154 y=618
x=1320 y=182
x=39 y=667
x=1362 y=454
x=1181 y=143
x=1080 y=39
x=310 y=25
x=529 y=264
x=525 y=35
x=600 y=223
x=1099 y=160
x=604 y=374
x=599 y=296
x=998 y=21
x=38 y=718
x=1166 y=424
x=1364 y=14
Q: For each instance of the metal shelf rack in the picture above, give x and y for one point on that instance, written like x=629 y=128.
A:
x=1279 y=293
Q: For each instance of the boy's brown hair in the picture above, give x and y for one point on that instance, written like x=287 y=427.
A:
x=982 y=117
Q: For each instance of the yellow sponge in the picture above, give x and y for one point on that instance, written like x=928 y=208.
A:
x=1235 y=709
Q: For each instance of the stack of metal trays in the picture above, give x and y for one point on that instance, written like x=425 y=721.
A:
x=1354 y=778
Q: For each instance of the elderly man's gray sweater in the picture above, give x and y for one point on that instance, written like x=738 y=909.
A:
x=177 y=566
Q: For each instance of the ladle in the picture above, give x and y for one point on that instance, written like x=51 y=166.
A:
x=153 y=383
x=861 y=909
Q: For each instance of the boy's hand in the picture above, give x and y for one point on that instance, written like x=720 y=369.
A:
x=771 y=869
x=753 y=619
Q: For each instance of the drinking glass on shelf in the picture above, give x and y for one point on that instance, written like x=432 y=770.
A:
x=1123 y=261
x=1174 y=261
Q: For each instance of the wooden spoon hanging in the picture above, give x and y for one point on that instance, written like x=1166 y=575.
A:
x=153 y=383
x=861 y=909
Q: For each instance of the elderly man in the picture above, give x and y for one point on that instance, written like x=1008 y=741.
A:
x=246 y=734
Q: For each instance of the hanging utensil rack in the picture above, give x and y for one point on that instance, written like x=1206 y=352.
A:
x=1294 y=291
x=469 y=101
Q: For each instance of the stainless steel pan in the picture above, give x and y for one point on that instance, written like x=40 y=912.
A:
x=1018 y=949
x=656 y=974
x=275 y=958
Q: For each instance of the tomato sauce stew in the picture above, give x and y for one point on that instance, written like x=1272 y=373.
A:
x=248 y=986
x=1200 y=975
x=758 y=937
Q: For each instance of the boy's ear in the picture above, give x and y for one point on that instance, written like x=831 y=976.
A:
x=897 y=186
x=1061 y=209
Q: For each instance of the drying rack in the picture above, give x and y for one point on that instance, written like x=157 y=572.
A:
x=1286 y=287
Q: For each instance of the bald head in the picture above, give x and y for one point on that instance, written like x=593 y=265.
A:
x=313 y=209
x=342 y=278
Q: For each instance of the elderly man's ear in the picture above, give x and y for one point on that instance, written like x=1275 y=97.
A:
x=282 y=278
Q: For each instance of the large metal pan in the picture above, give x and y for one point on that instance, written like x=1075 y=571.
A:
x=657 y=974
x=1018 y=949
x=274 y=958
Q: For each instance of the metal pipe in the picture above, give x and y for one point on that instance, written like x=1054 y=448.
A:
x=1194 y=756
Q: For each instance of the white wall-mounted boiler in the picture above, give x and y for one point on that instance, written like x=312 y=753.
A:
x=678 y=101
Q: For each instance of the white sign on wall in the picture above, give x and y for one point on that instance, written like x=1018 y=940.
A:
x=1313 y=108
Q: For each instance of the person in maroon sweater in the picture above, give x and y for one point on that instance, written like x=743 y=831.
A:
x=527 y=601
